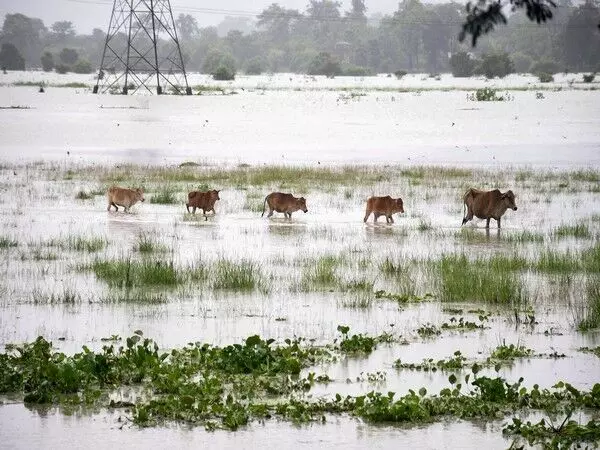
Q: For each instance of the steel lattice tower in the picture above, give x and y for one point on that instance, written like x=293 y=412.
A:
x=142 y=51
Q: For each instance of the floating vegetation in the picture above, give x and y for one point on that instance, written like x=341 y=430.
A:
x=403 y=298
x=457 y=362
x=594 y=351
x=509 y=352
x=428 y=330
x=461 y=324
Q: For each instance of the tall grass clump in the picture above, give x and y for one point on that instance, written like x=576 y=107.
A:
x=237 y=275
x=591 y=311
x=128 y=273
x=523 y=237
x=166 y=196
x=321 y=273
x=86 y=244
x=579 y=231
x=481 y=280
x=557 y=262
x=591 y=259
x=6 y=242
x=146 y=244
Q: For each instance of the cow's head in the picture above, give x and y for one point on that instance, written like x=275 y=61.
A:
x=214 y=195
x=301 y=204
x=509 y=200
x=400 y=205
x=139 y=195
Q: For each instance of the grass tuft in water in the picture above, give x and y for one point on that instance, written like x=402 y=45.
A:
x=579 y=231
x=557 y=262
x=86 y=244
x=147 y=244
x=591 y=311
x=6 y=242
x=321 y=273
x=166 y=196
x=237 y=275
x=127 y=273
x=491 y=281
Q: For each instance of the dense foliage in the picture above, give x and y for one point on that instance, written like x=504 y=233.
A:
x=323 y=39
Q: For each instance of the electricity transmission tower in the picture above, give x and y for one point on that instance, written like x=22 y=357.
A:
x=141 y=51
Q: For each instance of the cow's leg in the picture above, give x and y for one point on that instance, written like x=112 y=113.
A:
x=270 y=212
x=375 y=216
x=391 y=218
x=487 y=222
x=193 y=210
x=498 y=220
x=289 y=215
x=187 y=206
x=367 y=214
x=469 y=216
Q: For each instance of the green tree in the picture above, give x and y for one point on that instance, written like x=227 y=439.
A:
x=324 y=64
x=26 y=34
x=10 y=58
x=496 y=65
x=462 y=64
x=47 y=60
x=358 y=11
x=217 y=59
x=68 y=56
x=277 y=22
x=187 y=27
x=63 y=30
x=582 y=38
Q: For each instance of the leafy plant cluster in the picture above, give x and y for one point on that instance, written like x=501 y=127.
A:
x=227 y=387
x=402 y=298
x=462 y=324
x=488 y=95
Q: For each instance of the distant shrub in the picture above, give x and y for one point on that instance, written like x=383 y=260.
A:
x=62 y=68
x=223 y=74
x=47 y=60
x=324 y=64
x=487 y=95
x=356 y=71
x=82 y=66
x=68 y=56
x=462 y=64
x=255 y=66
x=216 y=59
x=589 y=78
x=496 y=65
x=549 y=67
x=545 y=77
x=400 y=73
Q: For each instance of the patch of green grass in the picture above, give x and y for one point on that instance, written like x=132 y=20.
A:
x=134 y=296
x=491 y=281
x=357 y=343
x=321 y=274
x=47 y=255
x=553 y=261
x=126 y=273
x=86 y=244
x=241 y=275
x=7 y=242
x=166 y=196
x=591 y=311
x=579 y=231
x=147 y=244
x=83 y=195
x=587 y=175
x=523 y=237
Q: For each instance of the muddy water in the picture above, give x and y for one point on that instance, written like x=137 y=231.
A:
x=275 y=128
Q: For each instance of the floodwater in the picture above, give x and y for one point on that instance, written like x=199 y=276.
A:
x=310 y=126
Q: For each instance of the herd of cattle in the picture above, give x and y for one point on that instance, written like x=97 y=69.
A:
x=482 y=204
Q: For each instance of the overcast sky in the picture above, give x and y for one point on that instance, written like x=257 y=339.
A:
x=89 y=14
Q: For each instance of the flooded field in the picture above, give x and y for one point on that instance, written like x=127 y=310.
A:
x=437 y=313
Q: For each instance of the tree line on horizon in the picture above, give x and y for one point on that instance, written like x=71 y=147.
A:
x=323 y=39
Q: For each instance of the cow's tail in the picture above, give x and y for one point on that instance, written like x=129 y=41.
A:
x=264 y=204
x=465 y=206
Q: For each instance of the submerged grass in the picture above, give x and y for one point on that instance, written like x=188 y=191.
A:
x=579 y=231
x=126 y=273
x=492 y=280
x=591 y=311
x=7 y=242
x=241 y=275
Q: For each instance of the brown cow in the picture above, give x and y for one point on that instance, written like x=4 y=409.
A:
x=487 y=205
x=285 y=203
x=123 y=197
x=383 y=206
x=202 y=200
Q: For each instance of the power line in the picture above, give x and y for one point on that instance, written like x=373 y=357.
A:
x=332 y=19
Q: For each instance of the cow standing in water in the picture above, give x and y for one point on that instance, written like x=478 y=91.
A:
x=383 y=206
x=202 y=200
x=123 y=197
x=487 y=205
x=284 y=203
